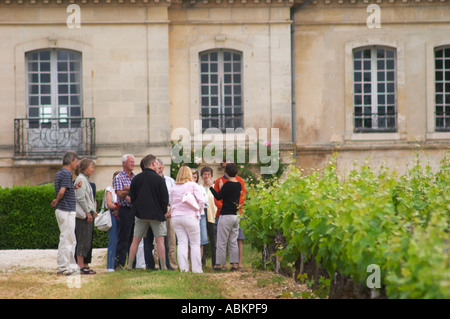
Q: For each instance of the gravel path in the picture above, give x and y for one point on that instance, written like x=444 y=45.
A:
x=42 y=259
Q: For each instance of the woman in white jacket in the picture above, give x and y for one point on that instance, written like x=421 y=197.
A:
x=185 y=219
x=86 y=213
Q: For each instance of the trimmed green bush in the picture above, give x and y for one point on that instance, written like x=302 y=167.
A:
x=27 y=220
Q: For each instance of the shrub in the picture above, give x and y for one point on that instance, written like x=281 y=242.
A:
x=399 y=223
x=27 y=220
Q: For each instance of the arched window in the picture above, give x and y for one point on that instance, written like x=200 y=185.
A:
x=374 y=89
x=54 y=105
x=442 y=88
x=221 y=89
x=53 y=85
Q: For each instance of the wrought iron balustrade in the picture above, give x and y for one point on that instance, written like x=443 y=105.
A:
x=221 y=121
x=52 y=137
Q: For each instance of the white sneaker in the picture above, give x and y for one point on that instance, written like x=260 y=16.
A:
x=110 y=270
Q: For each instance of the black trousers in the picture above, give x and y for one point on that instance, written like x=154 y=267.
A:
x=125 y=234
x=210 y=228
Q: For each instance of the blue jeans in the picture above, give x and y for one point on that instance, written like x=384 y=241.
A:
x=203 y=230
x=112 y=243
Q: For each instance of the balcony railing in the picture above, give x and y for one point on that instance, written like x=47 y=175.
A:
x=221 y=121
x=52 y=137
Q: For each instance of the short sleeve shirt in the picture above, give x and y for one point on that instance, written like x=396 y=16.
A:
x=64 y=179
x=120 y=181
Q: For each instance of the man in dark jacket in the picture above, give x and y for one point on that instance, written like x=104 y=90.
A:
x=149 y=200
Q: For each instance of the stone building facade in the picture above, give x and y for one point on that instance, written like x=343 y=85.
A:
x=110 y=77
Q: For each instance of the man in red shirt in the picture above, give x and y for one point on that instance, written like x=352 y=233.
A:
x=217 y=186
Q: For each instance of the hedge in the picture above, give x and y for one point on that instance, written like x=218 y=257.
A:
x=27 y=220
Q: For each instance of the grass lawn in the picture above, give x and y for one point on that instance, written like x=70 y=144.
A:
x=143 y=284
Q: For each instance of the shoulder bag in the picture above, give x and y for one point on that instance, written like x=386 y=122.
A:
x=103 y=220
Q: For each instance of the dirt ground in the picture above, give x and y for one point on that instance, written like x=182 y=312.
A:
x=247 y=283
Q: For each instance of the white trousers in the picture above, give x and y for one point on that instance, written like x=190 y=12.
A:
x=67 y=242
x=187 y=229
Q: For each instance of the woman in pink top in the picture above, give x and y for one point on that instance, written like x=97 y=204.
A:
x=185 y=219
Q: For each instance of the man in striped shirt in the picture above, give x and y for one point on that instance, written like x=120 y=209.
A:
x=64 y=203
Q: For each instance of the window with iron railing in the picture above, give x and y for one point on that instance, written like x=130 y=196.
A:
x=221 y=89
x=54 y=120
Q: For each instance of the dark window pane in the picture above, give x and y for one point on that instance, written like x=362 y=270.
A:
x=46 y=100
x=33 y=100
x=390 y=76
x=62 y=66
x=75 y=111
x=45 y=67
x=63 y=89
x=33 y=112
x=44 y=55
x=63 y=78
x=45 y=77
x=75 y=100
x=380 y=53
x=390 y=64
x=390 y=88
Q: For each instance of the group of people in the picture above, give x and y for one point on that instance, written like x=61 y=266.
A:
x=176 y=218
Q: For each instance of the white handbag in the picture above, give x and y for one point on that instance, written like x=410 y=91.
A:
x=103 y=220
x=189 y=199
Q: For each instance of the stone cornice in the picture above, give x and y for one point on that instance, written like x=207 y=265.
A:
x=218 y=2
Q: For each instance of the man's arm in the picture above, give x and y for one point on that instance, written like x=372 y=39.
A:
x=60 y=195
x=164 y=199
x=123 y=193
x=218 y=203
x=243 y=193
